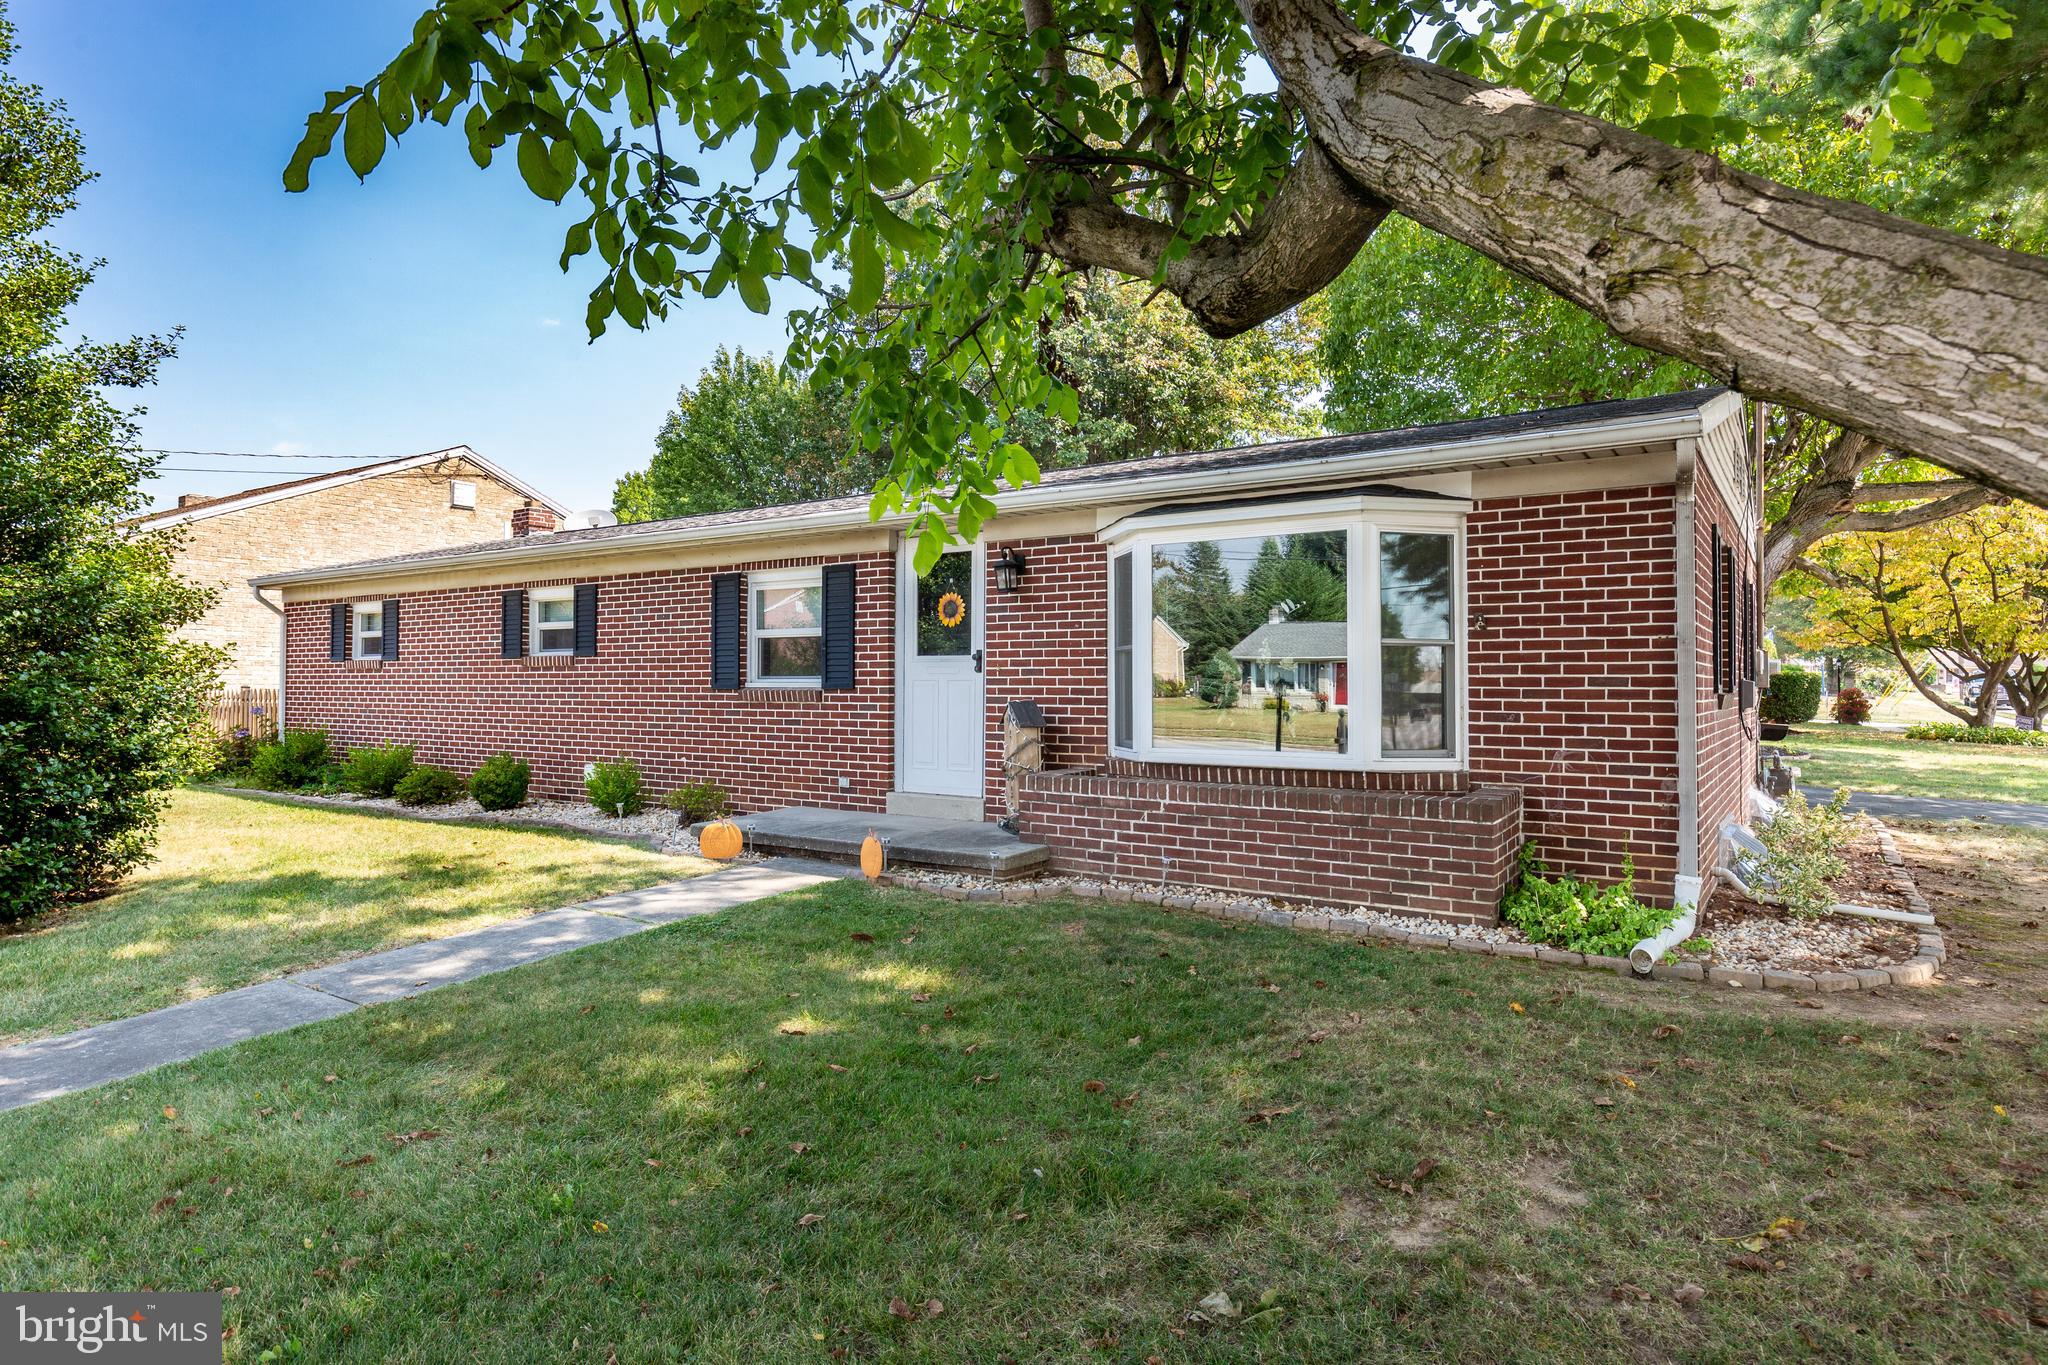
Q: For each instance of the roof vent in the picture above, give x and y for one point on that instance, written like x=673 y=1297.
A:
x=586 y=520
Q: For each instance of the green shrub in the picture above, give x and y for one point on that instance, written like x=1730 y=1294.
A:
x=1169 y=687
x=375 y=770
x=1954 y=732
x=696 y=801
x=614 y=788
x=1580 y=917
x=1793 y=698
x=291 y=762
x=1801 y=860
x=426 y=785
x=1217 y=684
x=1851 y=706
x=500 y=784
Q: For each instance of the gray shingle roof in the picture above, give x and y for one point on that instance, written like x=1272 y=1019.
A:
x=1127 y=471
x=1293 y=640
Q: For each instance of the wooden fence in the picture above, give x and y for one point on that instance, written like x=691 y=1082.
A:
x=245 y=708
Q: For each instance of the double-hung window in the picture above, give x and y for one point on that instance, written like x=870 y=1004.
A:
x=1325 y=632
x=785 y=618
x=369 y=630
x=552 y=627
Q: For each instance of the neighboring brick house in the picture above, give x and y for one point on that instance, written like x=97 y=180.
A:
x=415 y=502
x=1544 y=625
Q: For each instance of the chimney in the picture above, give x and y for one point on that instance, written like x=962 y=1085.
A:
x=530 y=520
x=190 y=499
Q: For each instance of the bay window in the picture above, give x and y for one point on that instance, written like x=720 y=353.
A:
x=1321 y=633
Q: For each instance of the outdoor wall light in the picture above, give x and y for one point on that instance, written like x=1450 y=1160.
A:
x=1009 y=569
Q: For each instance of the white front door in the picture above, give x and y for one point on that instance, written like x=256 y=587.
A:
x=939 y=696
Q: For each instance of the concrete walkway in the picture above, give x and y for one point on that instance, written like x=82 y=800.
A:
x=908 y=840
x=1937 y=807
x=49 y=1067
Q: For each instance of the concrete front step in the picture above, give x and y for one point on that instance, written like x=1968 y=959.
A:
x=907 y=840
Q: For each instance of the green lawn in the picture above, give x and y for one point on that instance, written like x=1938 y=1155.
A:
x=1881 y=761
x=740 y=1138
x=1189 y=720
x=244 y=889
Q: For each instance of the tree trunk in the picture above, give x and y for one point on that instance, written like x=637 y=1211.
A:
x=1928 y=342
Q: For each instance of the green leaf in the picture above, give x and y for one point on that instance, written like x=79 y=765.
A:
x=394 y=105
x=473 y=129
x=362 y=136
x=631 y=303
x=319 y=138
x=931 y=543
x=1699 y=35
x=753 y=291
x=865 y=262
x=537 y=168
x=1909 y=113
x=897 y=231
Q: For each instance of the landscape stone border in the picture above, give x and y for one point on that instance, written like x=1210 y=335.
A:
x=1916 y=971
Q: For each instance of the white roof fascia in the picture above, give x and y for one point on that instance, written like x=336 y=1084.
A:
x=237 y=502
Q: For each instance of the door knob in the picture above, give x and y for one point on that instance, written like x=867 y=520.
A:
x=977 y=661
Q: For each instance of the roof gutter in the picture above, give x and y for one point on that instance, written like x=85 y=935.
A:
x=1424 y=458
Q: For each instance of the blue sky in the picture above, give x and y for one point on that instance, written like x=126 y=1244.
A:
x=417 y=310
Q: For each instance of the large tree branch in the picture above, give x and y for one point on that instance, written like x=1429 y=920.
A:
x=1933 y=344
x=1298 y=242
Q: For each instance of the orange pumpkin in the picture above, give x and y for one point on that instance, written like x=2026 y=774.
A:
x=871 y=856
x=721 y=840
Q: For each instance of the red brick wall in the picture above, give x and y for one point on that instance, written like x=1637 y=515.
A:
x=1573 y=674
x=1048 y=642
x=1449 y=855
x=1727 y=734
x=646 y=693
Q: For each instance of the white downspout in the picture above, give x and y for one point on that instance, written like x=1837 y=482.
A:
x=1686 y=886
x=277 y=607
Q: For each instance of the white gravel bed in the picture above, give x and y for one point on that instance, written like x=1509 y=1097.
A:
x=1832 y=943
x=655 y=826
x=1209 y=897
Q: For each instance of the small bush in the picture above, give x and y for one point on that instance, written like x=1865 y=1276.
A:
x=1169 y=687
x=1793 y=698
x=426 y=785
x=1217 y=682
x=1801 y=860
x=1954 y=732
x=376 y=770
x=1851 y=706
x=614 y=788
x=1580 y=917
x=500 y=784
x=290 y=762
x=696 y=801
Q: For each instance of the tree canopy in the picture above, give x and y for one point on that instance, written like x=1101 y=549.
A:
x=99 y=706
x=932 y=174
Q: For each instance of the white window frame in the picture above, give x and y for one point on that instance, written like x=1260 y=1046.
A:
x=456 y=497
x=355 y=630
x=769 y=581
x=534 y=598
x=1362 y=519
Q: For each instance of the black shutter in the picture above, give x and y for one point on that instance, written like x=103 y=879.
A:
x=390 y=650
x=725 y=632
x=512 y=624
x=837 y=635
x=586 y=619
x=1750 y=632
x=337 y=631
x=1719 y=624
x=1728 y=630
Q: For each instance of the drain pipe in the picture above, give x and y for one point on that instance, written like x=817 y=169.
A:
x=278 y=608
x=1685 y=566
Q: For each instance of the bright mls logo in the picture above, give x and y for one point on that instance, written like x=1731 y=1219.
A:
x=163 y=1329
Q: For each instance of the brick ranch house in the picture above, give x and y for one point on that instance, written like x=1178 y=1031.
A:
x=414 y=502
x=1547 y=622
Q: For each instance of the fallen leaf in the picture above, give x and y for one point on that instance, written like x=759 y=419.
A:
x=165 y=1204
x=330 y=1078
x=1423 y=1169
x=1827 y=1146
x=587 y=1009
x=170 y=1111
x=747 y=1130
x=799 y=1147
x=600 y=1227
x=652 y=1162
x=1268 y=1115
x=1688 y=1294
x=921 y=997
x=808 y=1219
x=1750 y=1261
x=989 y=1079
x=792 y=1031
x=1020 y=1217
x=2002 y=1315
x=1625 y=1291
x=1667 y=1031
x=265 y=1113
x=1516 y=1007
x=859 y=937
x=1126 y=1102
x=416 y=1135
x=1603 y=1101
x=364 y=1160
x=899 y=1309
x=1094 y=1087
x=932 y=1308
x=1218 y=1307
x=1811 y=1005
x=1849 y=1039
x=835 y=1066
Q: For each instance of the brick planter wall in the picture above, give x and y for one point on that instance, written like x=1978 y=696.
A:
x=1449 y=855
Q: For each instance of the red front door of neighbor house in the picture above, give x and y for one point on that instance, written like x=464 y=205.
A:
x=1342 y=695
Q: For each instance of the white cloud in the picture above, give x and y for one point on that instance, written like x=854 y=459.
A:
x=551 y=322
x=287 y=448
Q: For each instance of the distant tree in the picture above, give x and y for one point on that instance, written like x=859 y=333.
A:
x=1149 y=381
x=1218 y=683
x=100 y=708
x=747 y=434
x=1195 y=595
x=1971 y=590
